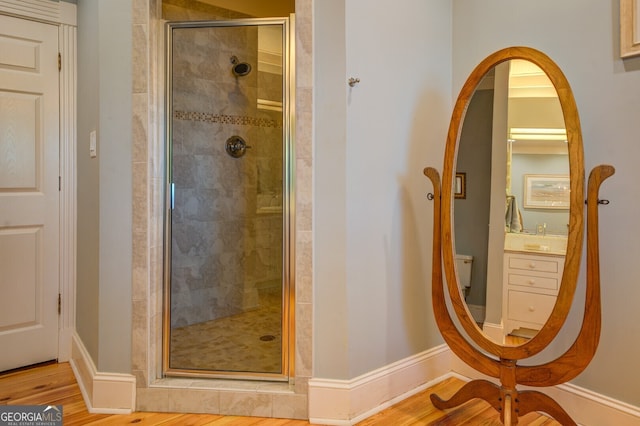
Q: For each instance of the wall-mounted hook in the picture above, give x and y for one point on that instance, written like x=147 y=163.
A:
x=353 y=81
x=602 y=202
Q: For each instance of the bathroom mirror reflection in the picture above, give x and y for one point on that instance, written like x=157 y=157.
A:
x=511 y=228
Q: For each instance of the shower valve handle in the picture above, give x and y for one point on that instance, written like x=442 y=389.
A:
x=236 y=146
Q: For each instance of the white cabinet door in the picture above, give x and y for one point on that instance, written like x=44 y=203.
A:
x=29 y=194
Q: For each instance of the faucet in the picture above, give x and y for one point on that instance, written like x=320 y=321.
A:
x=541 y=229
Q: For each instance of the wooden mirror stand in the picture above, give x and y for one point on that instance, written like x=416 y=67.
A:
x=500 y=361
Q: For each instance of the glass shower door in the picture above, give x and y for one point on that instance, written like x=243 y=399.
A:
x=227 y=269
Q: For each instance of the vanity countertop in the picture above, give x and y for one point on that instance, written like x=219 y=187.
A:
x=542 y=252
x=555 y=245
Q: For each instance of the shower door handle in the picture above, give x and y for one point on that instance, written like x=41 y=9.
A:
x=173 y=195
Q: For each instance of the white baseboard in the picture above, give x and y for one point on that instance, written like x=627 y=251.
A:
x=103 y=393
x=65 y=340
x=495 y=332
x=589 y=408
x=346 y=402
x=586 y=407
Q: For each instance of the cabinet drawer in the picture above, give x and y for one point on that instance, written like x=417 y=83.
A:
x=531 y=264
x=530 y=307
x=532 y=281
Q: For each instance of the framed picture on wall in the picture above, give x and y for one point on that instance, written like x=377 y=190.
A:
x=546 y=191
x=460 y=187
x=629 y=28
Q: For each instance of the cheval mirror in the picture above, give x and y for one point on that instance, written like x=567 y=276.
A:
x=533 y=246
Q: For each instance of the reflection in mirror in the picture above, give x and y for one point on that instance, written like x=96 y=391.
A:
x=511 y=229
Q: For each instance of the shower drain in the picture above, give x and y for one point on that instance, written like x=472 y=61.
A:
x=267 y=337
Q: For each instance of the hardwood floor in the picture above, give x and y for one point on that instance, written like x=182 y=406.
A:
x=55 y=384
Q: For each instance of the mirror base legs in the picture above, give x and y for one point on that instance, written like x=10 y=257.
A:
x=510 y=403
x=482 y=389
x=537 y=401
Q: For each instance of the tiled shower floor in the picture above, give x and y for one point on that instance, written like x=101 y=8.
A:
x=247 y=342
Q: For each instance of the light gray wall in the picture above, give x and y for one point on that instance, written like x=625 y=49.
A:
x=471 y=214
x=330 y=337
x=581 y=36
x=372 y=236
x=522 y=164
x=104 y=183
x=88 y=213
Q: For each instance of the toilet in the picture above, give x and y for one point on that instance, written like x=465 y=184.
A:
x=464 y=264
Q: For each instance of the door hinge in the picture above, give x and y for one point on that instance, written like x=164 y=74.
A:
x=59 y=62
x=59 y=183
x=59 y=303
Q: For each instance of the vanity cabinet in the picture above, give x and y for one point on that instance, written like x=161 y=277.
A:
x=530 y=288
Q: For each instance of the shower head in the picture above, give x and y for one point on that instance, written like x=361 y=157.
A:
x=239 y=69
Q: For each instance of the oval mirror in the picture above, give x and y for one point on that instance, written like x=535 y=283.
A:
x=513 y=178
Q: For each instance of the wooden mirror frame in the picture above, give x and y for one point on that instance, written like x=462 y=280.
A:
x=501 y=362
x=576 y=203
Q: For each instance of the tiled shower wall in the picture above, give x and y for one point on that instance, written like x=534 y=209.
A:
x=223 y=246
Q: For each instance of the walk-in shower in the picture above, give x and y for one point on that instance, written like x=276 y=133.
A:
x=228 y=269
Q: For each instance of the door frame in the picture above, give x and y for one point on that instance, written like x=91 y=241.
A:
x=63 y=15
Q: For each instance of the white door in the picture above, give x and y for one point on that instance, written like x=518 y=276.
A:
x=29 y=194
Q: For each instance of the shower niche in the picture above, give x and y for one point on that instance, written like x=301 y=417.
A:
x=228 y=293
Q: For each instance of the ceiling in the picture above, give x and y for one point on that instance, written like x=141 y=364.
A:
x=527 y=80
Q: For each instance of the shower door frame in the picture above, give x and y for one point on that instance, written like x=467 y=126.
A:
x=288 y=203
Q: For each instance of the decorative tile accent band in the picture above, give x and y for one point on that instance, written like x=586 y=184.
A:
x=226 y=119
